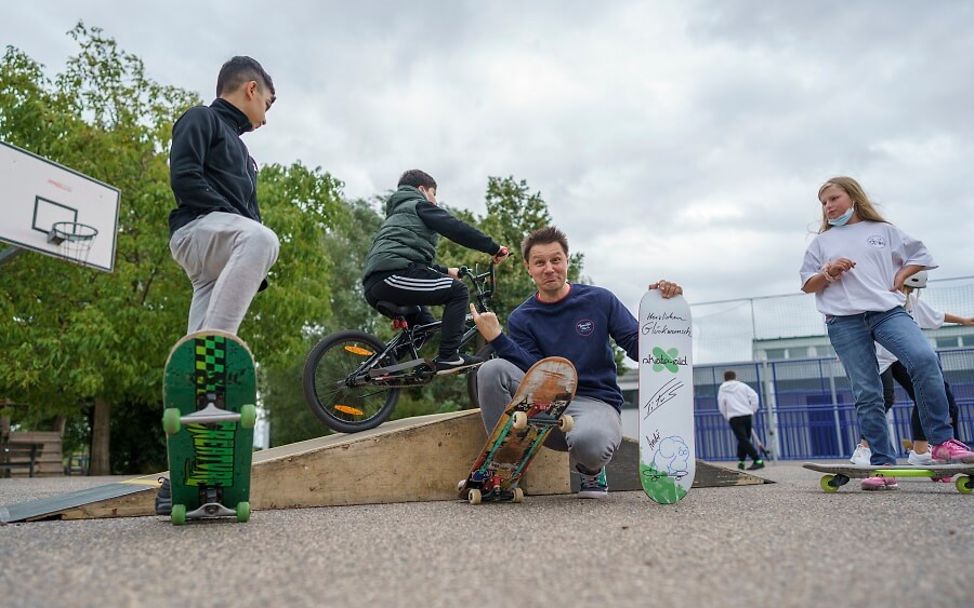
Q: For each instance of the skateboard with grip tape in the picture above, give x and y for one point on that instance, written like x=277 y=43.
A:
x=837 y=475
x=538 y=407
x=209 y=396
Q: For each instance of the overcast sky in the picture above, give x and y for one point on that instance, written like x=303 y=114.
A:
x=680 y=140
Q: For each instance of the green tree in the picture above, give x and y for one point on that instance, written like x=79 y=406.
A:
x=513 y=212
x=346 y=246
x=75 y=338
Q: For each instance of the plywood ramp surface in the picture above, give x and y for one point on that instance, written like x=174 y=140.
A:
x=414 y=459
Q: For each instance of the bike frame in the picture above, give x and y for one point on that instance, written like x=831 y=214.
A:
x=483 y=285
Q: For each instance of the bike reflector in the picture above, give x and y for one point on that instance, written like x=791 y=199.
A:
x=358 y=350
x=347 y=409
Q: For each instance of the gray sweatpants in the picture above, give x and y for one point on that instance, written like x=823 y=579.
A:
x=593 y=439
x=225 y=256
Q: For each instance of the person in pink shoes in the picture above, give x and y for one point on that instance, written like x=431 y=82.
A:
x=927 y=317
x=856 y=266
x=890 y=369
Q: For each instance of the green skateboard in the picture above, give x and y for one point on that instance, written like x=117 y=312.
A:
x=209 y=394
x=837 y=475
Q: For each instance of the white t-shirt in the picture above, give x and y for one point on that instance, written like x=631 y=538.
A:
x=879 y=251
x=926 y=316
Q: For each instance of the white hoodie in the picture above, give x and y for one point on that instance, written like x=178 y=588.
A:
x=734 y=398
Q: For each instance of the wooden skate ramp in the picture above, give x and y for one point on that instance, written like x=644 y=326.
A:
x=414 y=459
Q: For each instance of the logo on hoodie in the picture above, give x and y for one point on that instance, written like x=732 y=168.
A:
x=585 y=327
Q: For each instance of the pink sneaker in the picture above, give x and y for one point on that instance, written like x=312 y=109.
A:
x=879 y=483
x=952 y=451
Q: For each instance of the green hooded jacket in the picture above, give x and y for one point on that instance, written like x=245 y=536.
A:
x=404 y=238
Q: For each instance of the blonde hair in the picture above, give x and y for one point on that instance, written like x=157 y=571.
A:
x=864 y=207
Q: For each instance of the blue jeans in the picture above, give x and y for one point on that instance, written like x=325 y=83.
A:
x=852 y=338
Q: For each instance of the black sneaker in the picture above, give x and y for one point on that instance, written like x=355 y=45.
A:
x=455 y=364
x=593 y=486
x=757 y=464
x=164 y=498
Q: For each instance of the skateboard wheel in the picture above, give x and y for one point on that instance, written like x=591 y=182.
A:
x=520 y=420
x=178 y=515
x=473 y=496
x=964 y=484
x=518 y=495
x=248 y=417
x=243 y=511
x=566 y=423
x=461 y=485
x=170 y=421
x=826 y=483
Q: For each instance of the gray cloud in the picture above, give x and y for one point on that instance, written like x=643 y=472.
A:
x=682 y=139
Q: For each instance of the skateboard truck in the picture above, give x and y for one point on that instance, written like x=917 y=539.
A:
x=210 y=509
x=209 y=415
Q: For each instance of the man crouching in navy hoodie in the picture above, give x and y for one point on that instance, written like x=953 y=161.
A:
x=568 y=320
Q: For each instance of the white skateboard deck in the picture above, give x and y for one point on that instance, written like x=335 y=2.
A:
x=666 y=437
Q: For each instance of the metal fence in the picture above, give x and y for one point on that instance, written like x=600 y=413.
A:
x=734 y=330
x=807 y=409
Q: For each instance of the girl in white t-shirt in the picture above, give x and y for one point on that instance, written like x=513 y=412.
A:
x=856 y=266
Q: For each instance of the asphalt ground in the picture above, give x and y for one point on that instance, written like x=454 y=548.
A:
x=781 y=544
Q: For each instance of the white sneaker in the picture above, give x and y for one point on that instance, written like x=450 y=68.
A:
x=921 y=460
x=861 y=455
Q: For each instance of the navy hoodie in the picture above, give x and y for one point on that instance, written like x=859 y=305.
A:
x=577 y=327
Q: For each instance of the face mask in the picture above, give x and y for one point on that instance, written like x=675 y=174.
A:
x=842 y=219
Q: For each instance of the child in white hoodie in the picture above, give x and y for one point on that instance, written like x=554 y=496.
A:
x=737 y=403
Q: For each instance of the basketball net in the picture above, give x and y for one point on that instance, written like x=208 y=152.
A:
x=74 y=239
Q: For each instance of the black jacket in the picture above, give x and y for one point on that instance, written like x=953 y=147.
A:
x=210 y=168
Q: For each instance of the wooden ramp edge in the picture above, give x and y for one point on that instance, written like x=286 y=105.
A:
x=622 y=472
x=413 y=459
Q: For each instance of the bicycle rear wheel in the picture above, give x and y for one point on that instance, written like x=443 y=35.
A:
x=347 y=401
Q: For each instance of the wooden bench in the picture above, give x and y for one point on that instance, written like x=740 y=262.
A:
x=34 y=453
x=14 y=455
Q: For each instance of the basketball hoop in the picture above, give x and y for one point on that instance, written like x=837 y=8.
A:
x=74 y=239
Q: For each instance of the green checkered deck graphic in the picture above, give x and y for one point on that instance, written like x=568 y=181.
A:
x=211 y=360
x=210 y=462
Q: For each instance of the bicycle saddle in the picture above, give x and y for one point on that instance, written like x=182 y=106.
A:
x=394 y=311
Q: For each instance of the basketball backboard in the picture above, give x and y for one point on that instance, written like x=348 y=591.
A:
x=36 y=194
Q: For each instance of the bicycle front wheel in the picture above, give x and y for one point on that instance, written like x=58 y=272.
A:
x=337 y=390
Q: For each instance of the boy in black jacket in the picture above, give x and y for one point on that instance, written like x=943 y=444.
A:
x=215 y=231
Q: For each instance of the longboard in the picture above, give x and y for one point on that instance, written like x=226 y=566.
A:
x=209 y=395
x=538 y=407
x=666 y=436
x=837 y=475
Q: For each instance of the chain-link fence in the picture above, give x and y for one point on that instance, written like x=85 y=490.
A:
x=728 y=330
x=807 y=409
